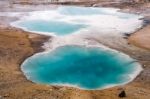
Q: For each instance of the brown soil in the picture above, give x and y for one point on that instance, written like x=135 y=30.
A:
x=15 y=46
x=141 y=38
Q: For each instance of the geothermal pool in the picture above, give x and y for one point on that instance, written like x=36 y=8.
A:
x=79 y=66
x=83 y=67
x=56 y=27
x=68 y=20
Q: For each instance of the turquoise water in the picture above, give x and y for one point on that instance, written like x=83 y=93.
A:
x=71 y=19
x=87 y=68
x=88 y=11
x=56 y=27
x=72 y=10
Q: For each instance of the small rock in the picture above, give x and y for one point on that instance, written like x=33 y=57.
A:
x=1 y=97
x=122 y=94
x=6 y=95
x=144 y=65
x=127 y=35
x=21 y=43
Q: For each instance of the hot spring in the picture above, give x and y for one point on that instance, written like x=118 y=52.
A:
x=83 y=67
x=79 y=66
x=68 y=20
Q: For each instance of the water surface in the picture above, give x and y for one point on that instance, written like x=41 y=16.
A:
x=56 y=27
x=87 y=68
x=68 y=20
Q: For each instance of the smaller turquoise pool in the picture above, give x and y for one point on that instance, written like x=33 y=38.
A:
x=45 y=26
x=87 y=68
x=70 y=19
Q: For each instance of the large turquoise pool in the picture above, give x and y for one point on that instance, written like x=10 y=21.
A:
x=83 y=67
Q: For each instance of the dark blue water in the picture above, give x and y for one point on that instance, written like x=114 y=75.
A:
x=88 y=68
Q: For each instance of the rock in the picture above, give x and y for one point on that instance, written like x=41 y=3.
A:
x=122 y=94
x=1 y=97
x=144 y=66
x=6 y=95
x=127 y=34
x=21 y=43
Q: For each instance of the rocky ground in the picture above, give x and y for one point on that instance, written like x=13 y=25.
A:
x=16 y=45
